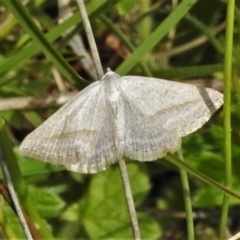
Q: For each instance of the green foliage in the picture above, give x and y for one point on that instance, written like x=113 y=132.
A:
x=103 y=211
x=48 y=203
x=12 y=220
x=125 y=6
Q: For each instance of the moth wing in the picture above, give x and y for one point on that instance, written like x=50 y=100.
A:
x=142 y=138
x=180 y=107
x=79 y=135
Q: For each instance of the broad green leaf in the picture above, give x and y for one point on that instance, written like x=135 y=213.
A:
x=211 y=197
x=48 y=203
x=103 y=211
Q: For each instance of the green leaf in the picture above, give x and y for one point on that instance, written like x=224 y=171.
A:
x=103 y=211
x=48 y=203
x=12 y=221
x=11 y=117
x=125 y=6
x=106 y=213
x=202 y=199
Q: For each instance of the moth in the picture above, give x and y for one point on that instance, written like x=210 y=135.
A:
x=142 y=118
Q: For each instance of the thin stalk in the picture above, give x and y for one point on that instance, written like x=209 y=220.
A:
x=33 y=228
x=227 y=113
x=177 y=162
x=14 y=197
x=187 y=199
x=129 y=198
x=145 y=24
x=90 y=37
x=19 y=183
x=122 y=166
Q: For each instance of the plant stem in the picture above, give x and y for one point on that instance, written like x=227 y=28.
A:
x=13 y=195
x=122 y=165
x=129 y=198
x=227 y=113
x=187 y=199
x=145 y=23
x=19 y=183
x=177 y=162
x=90 y=37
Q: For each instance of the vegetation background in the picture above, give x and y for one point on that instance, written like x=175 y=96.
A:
x=78 y=206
